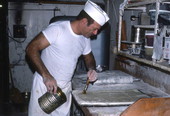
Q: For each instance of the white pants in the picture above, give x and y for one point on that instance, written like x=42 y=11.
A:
x=38 y=89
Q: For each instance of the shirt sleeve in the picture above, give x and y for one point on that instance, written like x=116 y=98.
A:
x=87 y=49
x=51 y=33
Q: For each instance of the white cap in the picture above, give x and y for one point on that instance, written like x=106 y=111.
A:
x=96 y=13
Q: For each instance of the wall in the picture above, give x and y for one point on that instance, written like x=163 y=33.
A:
x=114 y=18
x=35 y=17
x=153 y=76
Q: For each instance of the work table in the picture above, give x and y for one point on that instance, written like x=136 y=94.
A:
x=111 y=94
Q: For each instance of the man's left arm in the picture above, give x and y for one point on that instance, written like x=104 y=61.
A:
x=91 y=66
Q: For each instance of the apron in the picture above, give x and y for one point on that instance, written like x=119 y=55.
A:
x=39 y=88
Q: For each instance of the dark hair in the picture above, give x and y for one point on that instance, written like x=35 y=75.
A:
x=82 y=15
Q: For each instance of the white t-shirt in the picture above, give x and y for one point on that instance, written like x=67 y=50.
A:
x=61 y=56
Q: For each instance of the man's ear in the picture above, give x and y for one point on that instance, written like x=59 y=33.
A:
x=84 y=21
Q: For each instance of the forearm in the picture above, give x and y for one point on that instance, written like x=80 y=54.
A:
x=34 y=58
x=91 y=65
x=90 y=61
x=33 y=53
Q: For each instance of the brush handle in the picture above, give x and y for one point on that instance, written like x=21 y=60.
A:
x=86 y=86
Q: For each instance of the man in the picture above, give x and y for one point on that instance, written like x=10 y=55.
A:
x=61 y=44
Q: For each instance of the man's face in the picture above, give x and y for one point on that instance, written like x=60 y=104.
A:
x=91 y=30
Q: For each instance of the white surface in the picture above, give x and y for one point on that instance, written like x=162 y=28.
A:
x=107 y=111
x=107 y=97
x=107 y=77
x=146 y=89
x=112 y=77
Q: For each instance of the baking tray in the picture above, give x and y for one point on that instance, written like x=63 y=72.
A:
x=107 y=97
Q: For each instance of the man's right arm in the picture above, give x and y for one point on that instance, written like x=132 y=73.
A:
x=33 y=53
x=91 y=65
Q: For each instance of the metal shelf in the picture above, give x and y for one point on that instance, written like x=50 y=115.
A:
x=145 y=2
x=145 y=61
x=135 y=5
x=129 y=42
x=145 y=26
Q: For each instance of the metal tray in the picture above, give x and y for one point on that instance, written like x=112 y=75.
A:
x=107 y=97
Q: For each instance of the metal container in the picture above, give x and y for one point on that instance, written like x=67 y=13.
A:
x=49 y=102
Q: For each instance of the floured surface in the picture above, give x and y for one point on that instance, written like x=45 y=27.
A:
x=109 y=107
x=114 y=77
x=107 y=97
x=106 y=77
x=107 y=111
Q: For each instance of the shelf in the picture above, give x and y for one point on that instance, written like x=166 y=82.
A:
x=145 y=61
x=145 y=26
x=141 y=4
x=145 y=2
x=128 y=42
x=137 y=8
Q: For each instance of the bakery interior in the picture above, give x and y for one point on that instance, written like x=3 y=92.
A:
x=132 y=53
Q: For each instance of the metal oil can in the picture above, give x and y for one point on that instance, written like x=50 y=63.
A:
x=49 y=102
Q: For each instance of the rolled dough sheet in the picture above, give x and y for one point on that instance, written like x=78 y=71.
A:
x=109 y=77
x=107 y=98
x=114 y=77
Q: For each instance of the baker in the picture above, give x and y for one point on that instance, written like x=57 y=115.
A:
x=60 y=45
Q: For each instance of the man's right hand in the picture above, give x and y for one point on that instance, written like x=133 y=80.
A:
x=51 y=84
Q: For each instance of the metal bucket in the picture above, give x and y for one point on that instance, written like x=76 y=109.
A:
x=49 y=102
